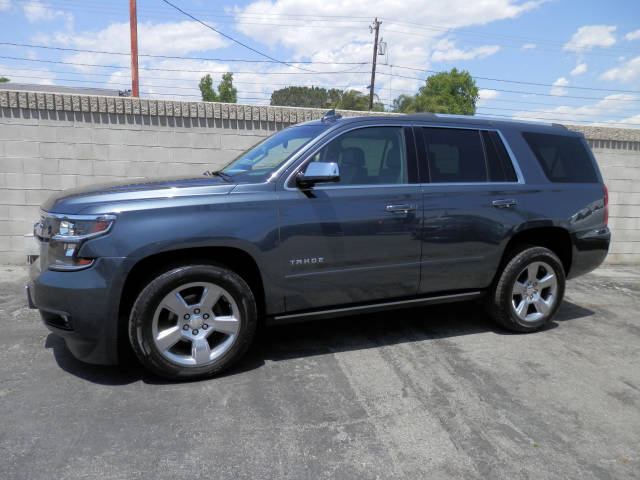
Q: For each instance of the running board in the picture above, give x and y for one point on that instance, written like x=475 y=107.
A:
x=370 y=308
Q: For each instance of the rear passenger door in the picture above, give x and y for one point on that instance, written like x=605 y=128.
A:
x=355 y=240
x=471 y=191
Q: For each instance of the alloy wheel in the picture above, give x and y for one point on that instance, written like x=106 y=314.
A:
x=195 y=324
x=534 y=291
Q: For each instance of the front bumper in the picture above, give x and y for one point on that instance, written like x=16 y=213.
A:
x=81 y=307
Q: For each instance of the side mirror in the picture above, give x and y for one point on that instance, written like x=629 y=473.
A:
x=318 y=172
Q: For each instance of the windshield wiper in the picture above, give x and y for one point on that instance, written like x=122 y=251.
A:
x=219 y=173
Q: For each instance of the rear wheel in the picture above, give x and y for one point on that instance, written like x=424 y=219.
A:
x=193 y=321
x=528 y=291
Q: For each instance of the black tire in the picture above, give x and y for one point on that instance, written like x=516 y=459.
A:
x=148 y=304
x=503 y=295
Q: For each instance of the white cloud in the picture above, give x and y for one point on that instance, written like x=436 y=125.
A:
x=36 y=11
x=180 y=78
x=171 y=38
x=17 y=75
x=528 y=46
x=336 y=40
x=626 y=73
x=599 y=112
x=580 y=68
x=590 y=36
x=445 y=51
x=5 y=5
x=485 y=94
x=333 y=40
x=557 y=87
x=634 y=120
x=635 y=35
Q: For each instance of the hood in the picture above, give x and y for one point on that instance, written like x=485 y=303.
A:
x=78 y=200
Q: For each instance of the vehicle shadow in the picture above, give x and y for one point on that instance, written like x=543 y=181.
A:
x=283 y=342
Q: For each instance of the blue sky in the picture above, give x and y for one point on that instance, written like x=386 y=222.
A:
x=561 y=60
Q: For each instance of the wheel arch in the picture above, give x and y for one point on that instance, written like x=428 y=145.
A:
x=556 y=239
x=147 y=268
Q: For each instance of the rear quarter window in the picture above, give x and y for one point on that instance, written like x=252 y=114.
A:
x=564 y=159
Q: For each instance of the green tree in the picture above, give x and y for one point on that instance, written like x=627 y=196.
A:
x=226 y=91
x=354 y=100
x=309 y=97
x=403 y=103
x=207 y=90
x=3 y=79
x=446 y=92
x=318 y=97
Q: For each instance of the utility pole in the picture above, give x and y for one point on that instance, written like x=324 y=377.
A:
x=376 y=26
x=133 y=24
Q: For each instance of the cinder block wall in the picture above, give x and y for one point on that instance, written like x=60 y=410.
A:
x=49 y=142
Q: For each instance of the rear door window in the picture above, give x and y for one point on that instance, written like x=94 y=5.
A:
x=563 y=158
x=455 y=155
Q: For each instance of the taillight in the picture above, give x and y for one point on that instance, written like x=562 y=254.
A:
x=606 y=205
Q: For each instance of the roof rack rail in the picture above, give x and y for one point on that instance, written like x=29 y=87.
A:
x=331 y=116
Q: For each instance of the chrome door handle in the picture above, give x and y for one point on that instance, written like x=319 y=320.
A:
x=403 y=208
x=504 y=203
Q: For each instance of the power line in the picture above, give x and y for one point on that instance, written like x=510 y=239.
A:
x=417 y=69
x=520 y=82
x=504 y=100
x=170 y=69
x=13 y=74
x=266 y=97
x=514 y=38
x=555 y=112
x=352 y=20
x=524 y=92
x=521 y=92
x=349 y=25
x=233 y=39
x=174 y=57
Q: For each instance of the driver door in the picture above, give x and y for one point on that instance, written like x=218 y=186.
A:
x=356 y=240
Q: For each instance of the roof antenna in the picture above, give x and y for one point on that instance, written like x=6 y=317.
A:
x=331 y=116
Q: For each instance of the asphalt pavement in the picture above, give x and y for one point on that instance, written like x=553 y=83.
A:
x=437 y=393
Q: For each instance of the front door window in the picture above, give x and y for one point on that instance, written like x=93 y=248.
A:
x=368 y=156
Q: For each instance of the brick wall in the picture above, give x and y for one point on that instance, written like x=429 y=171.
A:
x=49 y=142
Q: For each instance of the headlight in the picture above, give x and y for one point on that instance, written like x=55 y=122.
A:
x=65 y=233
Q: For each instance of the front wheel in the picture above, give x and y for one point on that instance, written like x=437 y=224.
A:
x=192 y=321
x=528 y=291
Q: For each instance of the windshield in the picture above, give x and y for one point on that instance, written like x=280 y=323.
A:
x=257 y=163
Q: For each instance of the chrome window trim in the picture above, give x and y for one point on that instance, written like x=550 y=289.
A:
x=469 y=184
x=321 y=145
x=341 y=187
x=312 y=147
x=514 y=163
